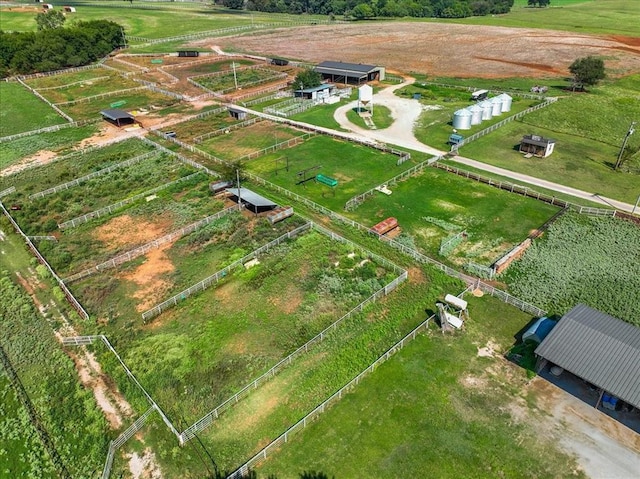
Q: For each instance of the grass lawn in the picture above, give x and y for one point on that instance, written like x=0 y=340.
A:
x=23 y=111
x=435 y=409
x=272 y=408
x=618 y=17
x=320 y=115
x=142 y=99
x=495 y=220
x=96 y=85
x=435 y=123
x=60 y=142
x=357 y=168
x=381 y=117
x=576 y=161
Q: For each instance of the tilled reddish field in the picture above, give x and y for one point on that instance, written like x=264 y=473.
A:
x=443 y=49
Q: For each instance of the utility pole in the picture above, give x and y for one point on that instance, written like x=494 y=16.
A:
x=624 y=145
x=235 y=78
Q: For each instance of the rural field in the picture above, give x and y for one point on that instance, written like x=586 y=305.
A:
x=241 y=332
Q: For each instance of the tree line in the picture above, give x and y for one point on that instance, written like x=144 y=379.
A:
x=361 y=9
x=54 y=48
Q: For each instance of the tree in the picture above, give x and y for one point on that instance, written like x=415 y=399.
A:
x=361 y=11
x=50 y=20
x=307 y=79
x=587 y=71
x=233 y=4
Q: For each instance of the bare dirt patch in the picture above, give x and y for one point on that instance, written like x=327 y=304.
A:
x=287 y=301
x=148 y=277
x=124 y=230
x=416 y=275
x=144 y=466
x=41 y=158
x=481 y=51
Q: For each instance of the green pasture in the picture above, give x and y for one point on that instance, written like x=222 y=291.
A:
x=250 y=139
x=101 y=84
x=271 y=409
x=357 y=168
x=22 y=111
x=435 y=409
x=200 y=352
x=576 y=161
x=23 y=453
x=435 y=123
x=67 y=410
x=60 y=142
x=66 y=169
x=118 y=297
x=555 y=86
x=214 y=67
x=68 y=79
x=187 y=130
x=495 y=220
x=86 y=245
x=142 y=99
x=582 y=259
x=618 y=17
x=234 y=81
x=320 y=115
x=381 y=117
x=159 y=20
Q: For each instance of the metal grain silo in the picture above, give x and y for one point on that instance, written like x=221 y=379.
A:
x=506 y=102
x=462 y=119
x=487 y=109
x=476 y=114
x=496 y=104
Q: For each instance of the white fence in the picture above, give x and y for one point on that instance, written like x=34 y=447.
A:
x=356 y=201
x=214 y=278
x=500 y=124
x=8 y=191
x=48 y=129
x=58 y=110
x=290 y=107
x=70 y=297
x=266 y=89
x=278 y=146
x=68 y=85
x=95 y=174
x=107 y=94
x=141 y=250
x=180 y=157
x=111 y=208
x=226 y=129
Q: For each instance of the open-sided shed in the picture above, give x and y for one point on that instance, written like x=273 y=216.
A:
x=251 y=200
x=353 y=73
x=534 y=145
x=118 y=117
x=598 y=348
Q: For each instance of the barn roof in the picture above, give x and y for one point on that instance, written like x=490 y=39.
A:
x=536 y=140
x=249 y=196
x=342 y=68
x=115 y=115
x=598 y=348
x=323 y=86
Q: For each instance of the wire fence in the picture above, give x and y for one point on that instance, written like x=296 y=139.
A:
x=275 y=445
x=278 y=146
x=67 y=293
x=208 y=418
x=227 y=129
x=144 y=249
x=356 y=201
x=214 y=278
x=107 y=94
x=95 y=174
x=500 y=124
x=116 y=206
x=48 y=129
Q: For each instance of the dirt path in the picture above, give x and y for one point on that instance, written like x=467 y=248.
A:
x=603 y=447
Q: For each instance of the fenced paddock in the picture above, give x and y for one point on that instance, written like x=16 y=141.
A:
x=220 y=83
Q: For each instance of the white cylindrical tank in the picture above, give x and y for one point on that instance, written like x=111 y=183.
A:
x=506 y=102
x=496 y=104
x=365 y=94
x=462 y=119
x=487 y=109
x=476 y=114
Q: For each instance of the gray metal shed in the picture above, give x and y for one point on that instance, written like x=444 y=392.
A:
x=596 y=347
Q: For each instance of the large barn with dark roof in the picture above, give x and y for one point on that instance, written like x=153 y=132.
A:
x=349 y=73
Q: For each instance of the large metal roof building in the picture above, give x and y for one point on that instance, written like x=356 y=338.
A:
x=601 y=349
x=253 y=201
x=354 y=73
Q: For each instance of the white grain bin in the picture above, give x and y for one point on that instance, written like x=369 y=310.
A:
x=496 y=104
x=462 y=119
x=365 y=94
x=506 y=102
x=476 y=114
x=487 y=109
